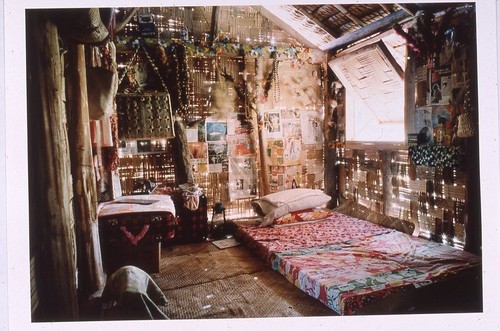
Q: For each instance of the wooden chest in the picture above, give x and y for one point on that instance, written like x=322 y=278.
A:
x=132 y=229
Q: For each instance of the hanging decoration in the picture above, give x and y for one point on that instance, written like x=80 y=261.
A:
x=429 y=36
x=297 y=53
x=466 y=123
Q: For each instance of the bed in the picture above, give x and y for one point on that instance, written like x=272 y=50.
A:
x=351 y=264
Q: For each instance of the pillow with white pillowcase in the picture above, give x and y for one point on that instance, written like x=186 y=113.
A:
x=280 y=203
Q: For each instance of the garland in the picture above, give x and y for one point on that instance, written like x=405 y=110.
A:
x=298 y=53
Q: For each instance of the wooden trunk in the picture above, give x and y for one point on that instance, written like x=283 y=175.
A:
x=91 y=274
x=51 y=213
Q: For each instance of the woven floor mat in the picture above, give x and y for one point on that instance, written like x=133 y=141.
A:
x=262 y=294
x=187 y=249
x=205 y=265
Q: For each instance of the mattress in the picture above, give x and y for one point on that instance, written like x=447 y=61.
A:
x=348 y=263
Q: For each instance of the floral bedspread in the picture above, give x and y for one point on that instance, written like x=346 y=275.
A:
x=347 y=263
x=335 y=229
x=349 y=275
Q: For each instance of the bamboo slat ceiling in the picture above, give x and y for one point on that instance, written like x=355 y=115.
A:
x=336 y=25
x=328 y=27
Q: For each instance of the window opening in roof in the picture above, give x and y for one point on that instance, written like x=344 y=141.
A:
x=374 y=83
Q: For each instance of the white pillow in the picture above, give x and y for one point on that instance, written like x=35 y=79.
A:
x=277 y=204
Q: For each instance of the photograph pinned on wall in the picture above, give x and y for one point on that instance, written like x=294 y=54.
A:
x=217 y=156
x=199 y=165
x=311 y=125
x=291 y=151
x=272 y=124
x=216 y=131
x=198 y=150
x=240 y=144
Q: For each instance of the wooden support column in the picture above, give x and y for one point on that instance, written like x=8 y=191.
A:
x=51 y=213
x=330 y=134
x=264 y=167
x=182 y=158
x=214 y=24
x=90 y=270
x=386 y=180
x=409 y=90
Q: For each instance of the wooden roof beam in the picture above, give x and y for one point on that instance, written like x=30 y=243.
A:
x=317 y=21
x=406 y=9
x=385 y=7
x=381 y=25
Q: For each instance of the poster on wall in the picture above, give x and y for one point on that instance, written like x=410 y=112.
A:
x=311 y=127
x=292 y=175
x=217 y=156
x=242 y=178
x=276 y=178
x=272 y=124
x=423 y=124
x=291 y=151
x=441 y=86
x=216 y=131
x=199 y=156
x=275 y=151
x=192 y=135
x=291 y=123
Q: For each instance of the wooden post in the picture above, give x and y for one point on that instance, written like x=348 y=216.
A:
x=330 y=135
x=264 y=167
x=182 y=159
x=90 y=269
x=386 y=180
x=51 y=213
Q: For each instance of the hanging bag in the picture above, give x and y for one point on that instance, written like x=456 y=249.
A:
x=144 y=114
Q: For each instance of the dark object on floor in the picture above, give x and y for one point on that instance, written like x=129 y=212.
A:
x=192 y=225
x=131 y=294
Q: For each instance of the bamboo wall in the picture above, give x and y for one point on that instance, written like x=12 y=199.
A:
x=434 y=199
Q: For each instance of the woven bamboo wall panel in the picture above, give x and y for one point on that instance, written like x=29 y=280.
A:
x=157 y=167
x=432 y=198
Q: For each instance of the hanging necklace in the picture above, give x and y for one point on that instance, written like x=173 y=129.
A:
x=276 y=81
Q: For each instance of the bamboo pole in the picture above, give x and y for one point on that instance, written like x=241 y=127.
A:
x=90 y=269
x=50 y=170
